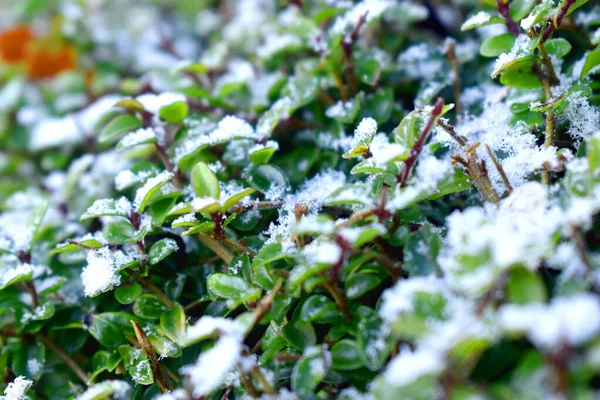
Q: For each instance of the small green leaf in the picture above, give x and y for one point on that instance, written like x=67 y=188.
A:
x=267 y=177
x=29 y=360
x=236 y=198
x=302 y=89
x=592 y=60
x=480 y=19
x=496 y=45
x=320 y=309
x=262 y=155
x=128 y=294
x=104 y=390
x=119 y=232
x=359 y=284
x=110 y=328
x=205 y=182
x=148 y=306
x=593 y=154
x=370 y=349
x=118 y=126
x=161 y=250
x=232 y=287
x=519 y=9
x=344 y=355
x=137 y=364
x=525 y=286
x=107 y=207
x=174 y=113
x=558 y=47
x=309 y=371
x=173 y=324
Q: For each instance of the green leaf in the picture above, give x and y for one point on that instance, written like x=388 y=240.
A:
x=267 y=177
x=370 y=349
x=236 y=198
x=68 y=247
x=119 y=126
x=119 y=232
x=344 y=355
x=110 y=328
x=262 y=155
x=368 y=70
x=137 y=364
x=232 y=287
x=282 y=108
x=148 y=306
x=309 y=371
x=525 y=286
x=145 y=194
x=161 y=250
x=174 y=113
x=496 y=45
x=480 y=19
x=137 y=138
x=128 y=294
x=320 y=309
x=593 y=154
x=104 y=390
x=107 y=207
x=15 y=275
x=173 y=324
x=345 y=112
x=592 y=60
x=205 y=182
x=29 y=360
x=519 y=9
x=359 y=284
x=519 y=74
x=302 y=89
x=558 y=47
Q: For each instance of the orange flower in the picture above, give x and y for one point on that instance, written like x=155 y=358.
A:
x=14 y=44
x=44 y=63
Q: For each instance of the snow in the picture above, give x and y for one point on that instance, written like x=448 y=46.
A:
x=137 y=137
x=101 y=272
x=12 y=273
x=150 y=184
x=322 y=252
x=120 y=389
x=209 y=326
x=16 y=389
x=213 y=365
x=521 y=48
x=408 y=366
x=276 y=43
x=570 y=320
x=153 y=103
x=345 y=23
x=478 y=19
x=365 y=130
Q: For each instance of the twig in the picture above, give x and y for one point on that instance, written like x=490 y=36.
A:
x=347 y=45
x=339 y=298
x=558 y=18
x=80 y=373
x=549 y=138
x=160 y=295
x=257 y=373
x=265 y=304
x=357 y=216
x=160 y=375
x=259 y=205
x=418 y=145
x=82 y=245
x=34 y=296
x=504 y=10
x=451 y=53
x=216 y=247
x=238 y=246
x=500 y=169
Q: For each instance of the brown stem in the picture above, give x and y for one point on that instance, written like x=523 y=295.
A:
x=257 y=373
x=549 y=139
x=418 y=146
x=160 y=295
x=160 y=375
x=265 y=304
x=357 y=216
x=34 y=296
x=216 y=247
x=451 y=54
x=500 y=169
x=80 y=373
x=238 y=246
x=339 y=298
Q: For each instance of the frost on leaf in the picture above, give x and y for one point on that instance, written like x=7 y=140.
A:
x=101 y=272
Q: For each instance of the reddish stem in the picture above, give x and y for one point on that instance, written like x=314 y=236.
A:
x=503 y=9
x=559 y=17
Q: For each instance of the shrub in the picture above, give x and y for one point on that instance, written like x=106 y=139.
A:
x=303 y=199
